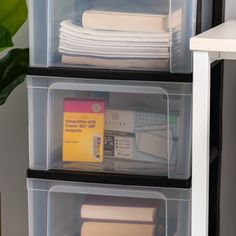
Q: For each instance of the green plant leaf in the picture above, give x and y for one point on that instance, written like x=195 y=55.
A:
x=13 y=69
x=5 y=38
x=13 y=14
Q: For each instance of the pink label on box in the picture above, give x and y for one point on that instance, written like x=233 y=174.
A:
x=84 y=106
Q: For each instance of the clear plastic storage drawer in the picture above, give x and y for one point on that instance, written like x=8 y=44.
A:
x=115 y=34
x=70 y=208
x=110 y=126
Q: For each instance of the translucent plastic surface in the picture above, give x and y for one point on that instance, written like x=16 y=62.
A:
x=67 y=208
x=146 y=127
x=60 y=33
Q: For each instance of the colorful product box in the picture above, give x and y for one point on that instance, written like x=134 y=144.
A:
x=83 y=130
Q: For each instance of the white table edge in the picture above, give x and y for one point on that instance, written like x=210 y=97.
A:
x=206 y=46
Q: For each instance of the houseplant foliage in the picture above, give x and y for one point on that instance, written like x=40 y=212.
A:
x=14 y=63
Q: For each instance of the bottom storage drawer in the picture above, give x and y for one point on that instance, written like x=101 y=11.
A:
x=62 y=208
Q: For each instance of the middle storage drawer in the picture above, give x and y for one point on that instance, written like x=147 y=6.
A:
x=110 y=126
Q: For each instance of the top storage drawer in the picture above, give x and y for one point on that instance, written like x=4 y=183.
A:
x=115 y=34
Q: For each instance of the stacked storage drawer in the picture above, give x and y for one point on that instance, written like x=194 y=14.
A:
x=153 y=119
x=109 y=125
x=133 y=35
x=72 y=208
x=147 y=162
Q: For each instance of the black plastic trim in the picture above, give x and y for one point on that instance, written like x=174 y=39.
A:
x=218 y=12
x=109 y=74
x=199 y=17
x=109 y=178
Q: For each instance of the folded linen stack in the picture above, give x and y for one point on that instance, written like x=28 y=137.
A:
x=116 y=40
x=121 y=216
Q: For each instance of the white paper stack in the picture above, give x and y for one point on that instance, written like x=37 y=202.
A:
x=100 y=42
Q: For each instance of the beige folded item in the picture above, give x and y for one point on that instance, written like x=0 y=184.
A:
x=118 y=213
x=116 y=229
x=116 y=63
x=124 y=21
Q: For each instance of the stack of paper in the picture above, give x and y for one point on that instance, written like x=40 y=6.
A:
x=116 y=40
